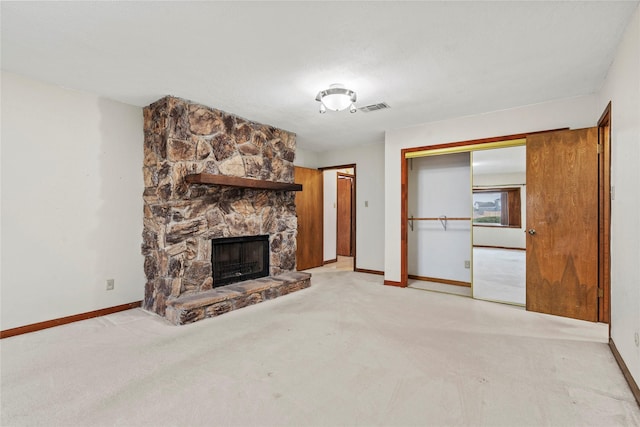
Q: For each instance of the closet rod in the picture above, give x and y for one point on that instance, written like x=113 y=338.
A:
x=442 y=218
x=438 y=219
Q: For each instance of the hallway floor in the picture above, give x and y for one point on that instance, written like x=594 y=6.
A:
x=343 y=263
x=347 y=351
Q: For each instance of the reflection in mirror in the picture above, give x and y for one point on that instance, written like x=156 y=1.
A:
x=499 y=205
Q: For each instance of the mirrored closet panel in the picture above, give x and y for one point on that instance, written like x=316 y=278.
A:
x=499 y=213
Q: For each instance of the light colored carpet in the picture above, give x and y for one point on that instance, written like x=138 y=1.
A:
x=347 y=351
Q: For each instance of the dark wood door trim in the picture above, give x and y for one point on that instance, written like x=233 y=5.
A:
x=349 y=166
x=604 y=216
x=404 y=220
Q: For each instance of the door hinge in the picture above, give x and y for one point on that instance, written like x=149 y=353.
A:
x=600 y=293
x=599 y=148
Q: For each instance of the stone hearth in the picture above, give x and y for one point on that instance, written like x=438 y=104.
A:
x=180 y=219
x=221 y=300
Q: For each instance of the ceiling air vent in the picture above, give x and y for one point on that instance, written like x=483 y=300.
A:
x=374 y=107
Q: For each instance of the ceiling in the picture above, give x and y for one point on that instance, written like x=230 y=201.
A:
x=266 y=61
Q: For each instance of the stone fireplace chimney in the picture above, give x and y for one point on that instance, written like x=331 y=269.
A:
x=182 y=215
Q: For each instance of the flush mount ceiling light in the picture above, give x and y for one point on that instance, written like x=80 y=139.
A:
x=336 y=98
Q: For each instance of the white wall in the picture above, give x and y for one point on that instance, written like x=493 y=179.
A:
x=440 y=185
x=575 y=112
x=622 y=88
x=370 y=220
x=71 y=202
x=305 y=158
x=330 y=216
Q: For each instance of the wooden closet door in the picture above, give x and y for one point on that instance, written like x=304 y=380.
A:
x=309 y=208
x=344 y=246
x=562 y=223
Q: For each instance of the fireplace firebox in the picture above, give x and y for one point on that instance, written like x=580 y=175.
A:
x=236 y=259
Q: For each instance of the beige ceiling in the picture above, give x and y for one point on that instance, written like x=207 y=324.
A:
x=267 y=60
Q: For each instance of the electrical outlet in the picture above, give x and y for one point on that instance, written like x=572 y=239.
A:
x=467 y=264
x=111 y=283
x=366 y=203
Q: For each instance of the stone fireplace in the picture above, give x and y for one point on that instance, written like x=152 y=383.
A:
x=210 y=175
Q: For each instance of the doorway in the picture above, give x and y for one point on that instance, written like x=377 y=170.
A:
x=344 y=215
x=339 y=216
x=582 y=288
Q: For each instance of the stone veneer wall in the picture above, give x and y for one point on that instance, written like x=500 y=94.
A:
x=180 y=219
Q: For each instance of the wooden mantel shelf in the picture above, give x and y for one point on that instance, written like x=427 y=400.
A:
x=234 y=181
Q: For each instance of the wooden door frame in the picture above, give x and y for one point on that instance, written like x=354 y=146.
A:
x=604 y=216
x=604 y=237
x=604 y=202
x=352 y=239
x=404 y=188
x=354 y=204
